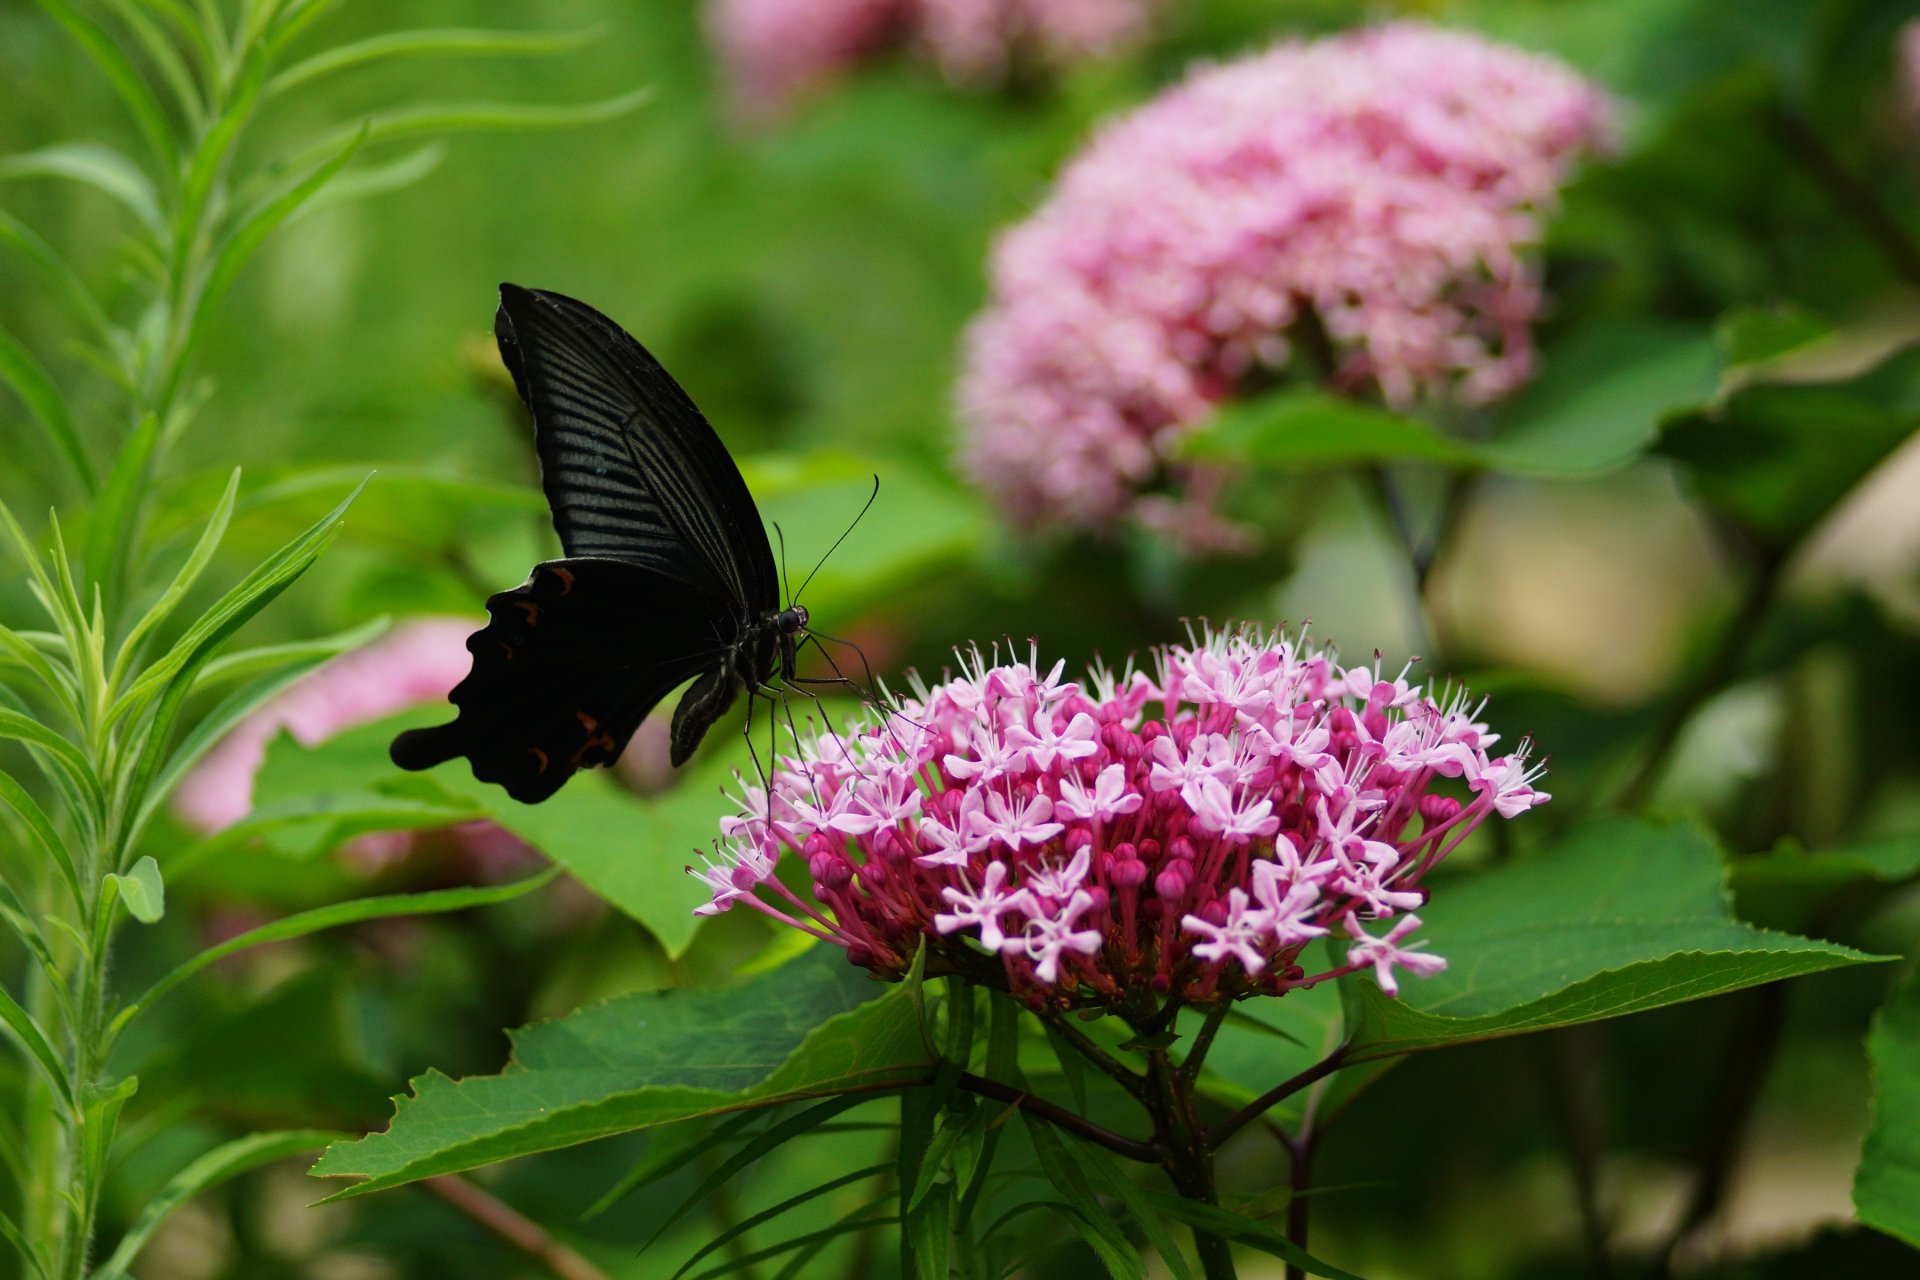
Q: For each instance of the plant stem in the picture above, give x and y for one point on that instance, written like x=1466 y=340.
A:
x=1059 y=1116
x=1127 y=1079
x=1186 y=1155
x=1299 y=1184
x=1218 y=1134
x=518 y=1230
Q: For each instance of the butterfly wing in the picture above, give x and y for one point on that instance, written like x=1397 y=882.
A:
x=567 y=667
x=632 y=469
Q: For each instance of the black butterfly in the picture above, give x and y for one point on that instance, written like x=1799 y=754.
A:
x=668 y=574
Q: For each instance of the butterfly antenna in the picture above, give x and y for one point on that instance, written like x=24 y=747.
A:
x=842 y=538
x=786 y=582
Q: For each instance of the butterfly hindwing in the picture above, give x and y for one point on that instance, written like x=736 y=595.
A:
x=632 y=469
x=567 y=667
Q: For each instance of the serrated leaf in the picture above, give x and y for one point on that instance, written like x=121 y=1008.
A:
x=1886 y=1186
x=142 y=889
x=807 y=1030
x=1622 y=916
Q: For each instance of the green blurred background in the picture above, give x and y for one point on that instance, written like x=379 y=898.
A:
x=808 y=283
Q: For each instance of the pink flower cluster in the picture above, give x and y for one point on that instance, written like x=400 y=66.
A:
x=1051 y=838
x=1374 y=192
x=777 y=51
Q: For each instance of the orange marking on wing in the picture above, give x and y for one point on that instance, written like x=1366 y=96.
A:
x=531 y=610
x=506 y=649
x=587 y=722
x=602 y=741
x=539 y=755
x=566 y=580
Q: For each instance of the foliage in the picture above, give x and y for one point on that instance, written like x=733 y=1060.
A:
x=237 y=234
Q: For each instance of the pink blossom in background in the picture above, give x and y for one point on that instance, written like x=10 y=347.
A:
x=775 y=52
x=1049 y=837
x=1387 y=183
x=415 y=663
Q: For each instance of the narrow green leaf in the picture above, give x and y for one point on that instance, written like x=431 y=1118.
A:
x=1243 y=1230
x=368 y=180
x=1061 y=1161
x=43 y=255
x=205 y=166
x=1107 y=1177
x=164 y=56
x=1886 y=1186
x=142 y=889
x=10 y=1232
x=930 y=1227
x=76 y=767
x=670 y=1150
x=99 y=167
x=190 y=571
x=933 y=1161
x=114 y=522
x=216 y=1166
x=174 y=674
x=771 y=1139
x=148 y=116
x=252 y=228
x=804 y=1031
x=17 y=798
x=36 y=389
x=476 y=117
x=808 y=1245
x=451 y=41
x=329 y=917
x=304 y=654
x=765 y=1216
x=18 y=1021
x=58 y=681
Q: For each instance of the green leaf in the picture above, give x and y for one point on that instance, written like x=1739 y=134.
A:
x=214 y=528
x=99 y=167
x=765 y=1216
x=1243 y=1230
x=1624 y=915
x=125 y=78
x=1062 y=1162
x=216 y=1166
x=1886 y=1187
x=50 y=746
x=1303 y=427
x=113 y=524
x=460 y=41
x=330 y=917
x=1597 y=404
x=632 y=852
x=670 y=1150
x=1754 y=335
x=17 y=798
x=27 y=1032
x=367 y=180
x=768 y=1140
x=142 y=890
x=1602 y=396
x=1787 y=887
x=474 y=117
x=31 y=382
x=1621 y=916
x=30 y=243
x=1107 y=1177
x=1777 y=459
x=810 y=1029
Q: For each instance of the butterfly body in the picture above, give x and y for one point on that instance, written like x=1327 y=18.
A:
x=668 y=575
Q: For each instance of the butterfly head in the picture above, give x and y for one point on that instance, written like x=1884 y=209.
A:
x=792 y=621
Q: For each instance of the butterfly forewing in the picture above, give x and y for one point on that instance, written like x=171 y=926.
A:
x=632 y=469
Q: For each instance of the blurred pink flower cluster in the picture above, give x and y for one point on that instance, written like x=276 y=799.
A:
x=1375 y=192
x=776 y=51
x=1907 y=72
x=1051 y=838
x=415 y=663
